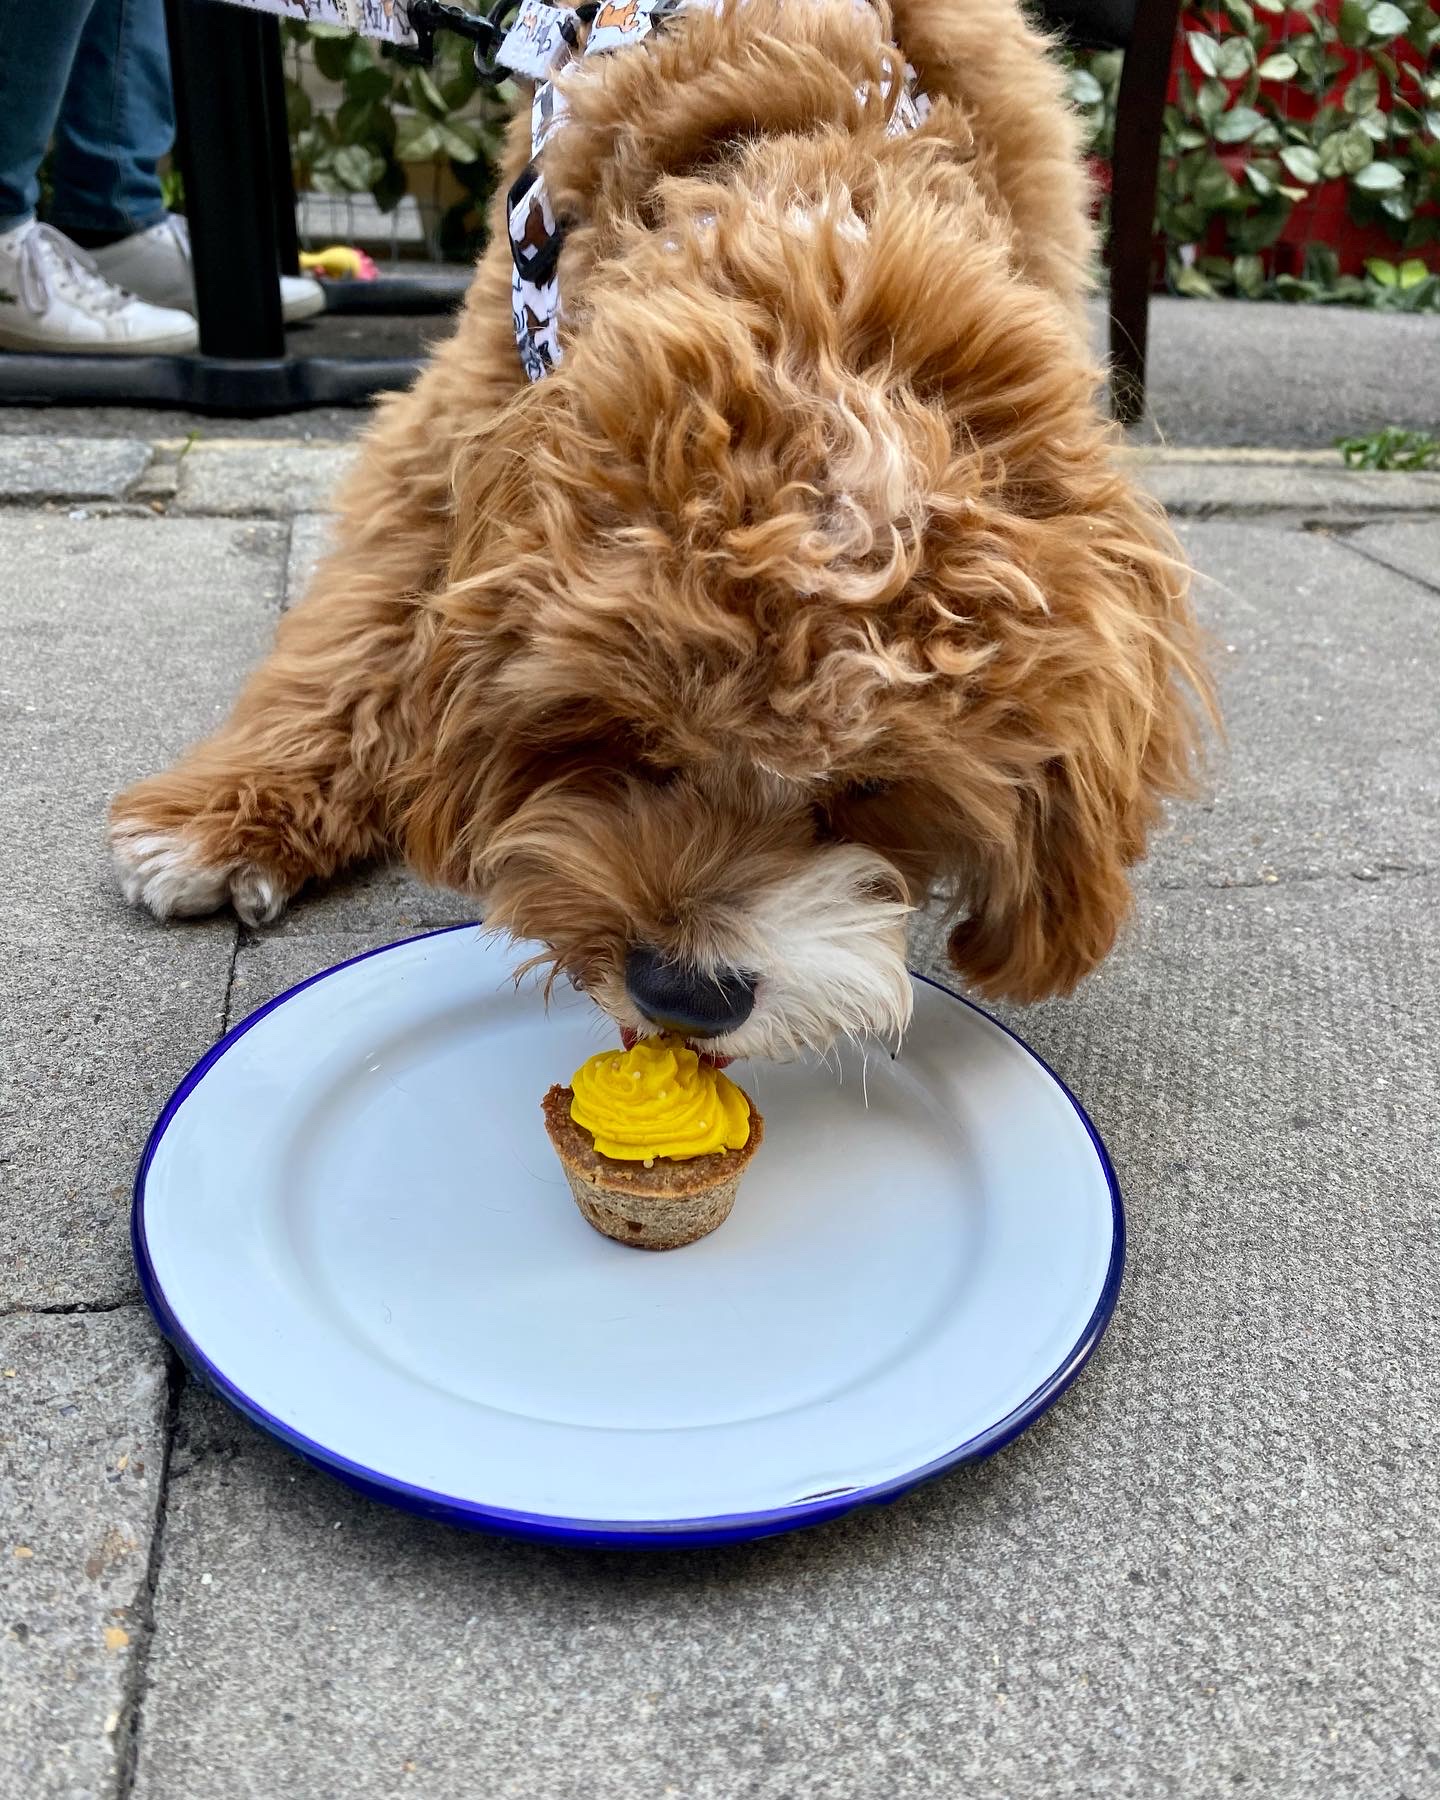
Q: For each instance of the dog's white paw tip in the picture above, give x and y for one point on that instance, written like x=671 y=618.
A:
x=163 y=872
x=160 y=871
x=258 y=898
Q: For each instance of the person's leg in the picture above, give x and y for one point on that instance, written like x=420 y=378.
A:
x=38 y=44
x=87 y=62
x=116 y=122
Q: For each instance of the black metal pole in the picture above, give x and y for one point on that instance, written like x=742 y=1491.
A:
x=217 y=55
x=277 y=135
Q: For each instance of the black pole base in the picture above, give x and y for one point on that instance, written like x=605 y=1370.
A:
x=409 y=294
x=228 y=386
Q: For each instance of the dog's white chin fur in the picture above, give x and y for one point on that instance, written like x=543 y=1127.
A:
x=828 y=946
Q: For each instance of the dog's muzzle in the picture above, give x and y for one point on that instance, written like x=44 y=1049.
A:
x=692 y=1002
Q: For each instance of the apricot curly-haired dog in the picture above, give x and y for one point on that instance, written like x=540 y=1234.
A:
x=806 y=586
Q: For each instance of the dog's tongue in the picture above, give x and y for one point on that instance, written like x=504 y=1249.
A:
x=629 y=1035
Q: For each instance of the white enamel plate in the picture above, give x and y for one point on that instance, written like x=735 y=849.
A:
x=350 y=1222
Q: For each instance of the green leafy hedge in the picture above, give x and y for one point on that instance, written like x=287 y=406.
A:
x=394 y=119
x=1277 y=111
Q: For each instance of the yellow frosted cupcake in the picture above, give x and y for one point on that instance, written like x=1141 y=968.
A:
x=653 y=1142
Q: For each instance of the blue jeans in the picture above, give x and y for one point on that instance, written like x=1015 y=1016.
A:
x=94 y=75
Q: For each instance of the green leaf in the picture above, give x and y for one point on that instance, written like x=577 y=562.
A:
x=332 y=52
x=460 y=139
x=417 y=139
x=1266 y=138
x=1385 y=22
x=1271 y=6
x=1356 y=149
x=1211 y=100
x=1259 y=180
x=1375 y=126
x=1425 y=297
x=391 y=188
x=358 y=167
x=1301 y=161
x=1084 y=89
x=1412 y=272
x=424 y=93
x=1291 y=287
x=1238 y=125
x=1181 y=222
x=1362 y=92
x=1192 y=282
x=457 y=89
x=1390 y=448
x=326 y=181
x=1215 y=187
x=1397 y=207
x=1205 y=52
x=1322 y=265
x=1189 y=139
x=1310 y=54
x=1263 y=226
x=1379 y=178
x=1249 y=275
x=362 y=58
x=1279 y=67
x=1242 y=12
x=370 y=83
x=1234 y=58
x=1354 y=23
x=365 y=122
x=314 y=142
x=1432 y=124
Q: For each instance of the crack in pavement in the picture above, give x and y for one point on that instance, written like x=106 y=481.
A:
x=1371 y=875
x=62 y=1309
x=137 y=1673
x=1351 y=541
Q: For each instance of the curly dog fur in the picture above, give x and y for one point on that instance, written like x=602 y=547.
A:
x=807 y=585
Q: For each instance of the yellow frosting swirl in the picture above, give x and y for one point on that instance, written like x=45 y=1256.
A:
x=658 y=1099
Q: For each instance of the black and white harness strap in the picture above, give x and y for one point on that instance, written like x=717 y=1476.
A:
x=542 y=41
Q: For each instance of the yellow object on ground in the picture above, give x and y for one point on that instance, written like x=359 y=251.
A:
x=337 y=262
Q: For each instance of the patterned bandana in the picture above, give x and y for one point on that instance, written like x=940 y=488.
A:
x=543 y=40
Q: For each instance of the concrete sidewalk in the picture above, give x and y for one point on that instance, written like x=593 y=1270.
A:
x=1211 y=1568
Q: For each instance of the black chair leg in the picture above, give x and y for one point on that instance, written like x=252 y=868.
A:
x=1139 y=120
x=277 y=135
x=222 y=146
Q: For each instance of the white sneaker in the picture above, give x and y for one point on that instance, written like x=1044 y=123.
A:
x=156 y=265
x=52 y=298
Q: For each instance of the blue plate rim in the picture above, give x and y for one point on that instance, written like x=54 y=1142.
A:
x=601 y=1533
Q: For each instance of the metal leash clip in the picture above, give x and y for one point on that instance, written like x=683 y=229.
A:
x=486 y=31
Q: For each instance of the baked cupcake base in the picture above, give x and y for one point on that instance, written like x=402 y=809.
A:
x=659 y=1208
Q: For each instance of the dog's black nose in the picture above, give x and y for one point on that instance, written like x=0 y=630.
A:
x=685 y=1000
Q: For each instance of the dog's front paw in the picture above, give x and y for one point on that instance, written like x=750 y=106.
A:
x=168 y=874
